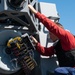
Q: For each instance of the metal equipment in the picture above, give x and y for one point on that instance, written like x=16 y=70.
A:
x=16 y=4
x=22 y=51
x=17 y=21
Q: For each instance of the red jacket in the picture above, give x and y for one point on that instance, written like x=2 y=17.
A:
x=66 y=38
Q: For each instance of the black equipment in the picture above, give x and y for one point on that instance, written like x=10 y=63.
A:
x=16 y=4
x=21 y=48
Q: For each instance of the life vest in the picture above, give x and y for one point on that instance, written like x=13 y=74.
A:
x=65 y=58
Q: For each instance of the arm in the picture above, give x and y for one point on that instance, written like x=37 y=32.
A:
x=50 y=25
x=66 y=38
x=42 y=50
x=45 y=51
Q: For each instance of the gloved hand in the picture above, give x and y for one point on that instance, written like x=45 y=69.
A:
x=34 y=40
x=32 y=9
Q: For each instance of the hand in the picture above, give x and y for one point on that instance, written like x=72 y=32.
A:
x=32 y=9
x=34 y=40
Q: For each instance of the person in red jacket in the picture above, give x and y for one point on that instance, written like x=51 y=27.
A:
x=64 y=46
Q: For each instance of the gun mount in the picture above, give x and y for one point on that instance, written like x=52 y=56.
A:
x=15 y=21
x=18 y=15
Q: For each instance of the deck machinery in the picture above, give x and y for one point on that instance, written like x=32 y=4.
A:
x=17 y=24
